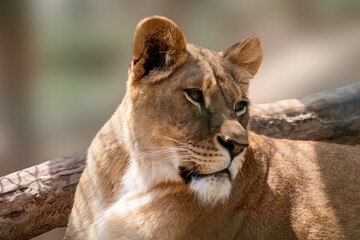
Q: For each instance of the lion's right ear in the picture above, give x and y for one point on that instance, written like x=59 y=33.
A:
x=247 y=54
x=158 y=44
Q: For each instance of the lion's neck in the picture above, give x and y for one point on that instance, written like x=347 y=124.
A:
x=144 y=169
x=145 y=173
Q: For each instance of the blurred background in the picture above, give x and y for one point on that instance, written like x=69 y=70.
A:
x=63 y=63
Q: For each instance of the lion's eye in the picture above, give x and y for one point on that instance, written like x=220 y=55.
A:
x=240 y=107
x=195 y=94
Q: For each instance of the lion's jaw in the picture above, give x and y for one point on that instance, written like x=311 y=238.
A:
x=146 y=172
x=215 y=188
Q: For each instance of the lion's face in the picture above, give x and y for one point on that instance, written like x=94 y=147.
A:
x=189 y=113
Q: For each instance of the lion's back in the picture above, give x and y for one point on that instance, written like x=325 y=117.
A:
x=320 y=182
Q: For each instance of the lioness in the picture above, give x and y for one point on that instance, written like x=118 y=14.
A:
x=177 y=159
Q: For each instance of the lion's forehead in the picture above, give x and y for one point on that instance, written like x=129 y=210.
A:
x=210 y=72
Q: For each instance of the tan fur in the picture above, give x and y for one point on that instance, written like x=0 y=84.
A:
x=153 y=169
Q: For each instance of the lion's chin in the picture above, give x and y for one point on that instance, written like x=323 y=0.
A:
x=211 y=189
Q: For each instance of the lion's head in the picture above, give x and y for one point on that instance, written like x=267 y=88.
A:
x=186 y=109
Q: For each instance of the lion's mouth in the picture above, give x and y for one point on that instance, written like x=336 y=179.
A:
x=188 y=175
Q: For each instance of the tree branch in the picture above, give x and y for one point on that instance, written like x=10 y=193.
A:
x=38 y=199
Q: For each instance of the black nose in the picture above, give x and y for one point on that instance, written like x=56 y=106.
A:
x=233 y=147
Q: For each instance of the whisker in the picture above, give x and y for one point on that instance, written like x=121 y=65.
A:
x=172 y=157
x=162 y=147
x=183 y=157
x=169 y=138
x=154 y=153
x=168 y=150
x=190 y=173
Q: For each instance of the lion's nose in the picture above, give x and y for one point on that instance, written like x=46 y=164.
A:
x=233 y=147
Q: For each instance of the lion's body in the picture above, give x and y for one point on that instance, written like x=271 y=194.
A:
x=139 y=184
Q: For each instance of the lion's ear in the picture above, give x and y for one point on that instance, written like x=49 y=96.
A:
x=247 y=54
x=158 y=43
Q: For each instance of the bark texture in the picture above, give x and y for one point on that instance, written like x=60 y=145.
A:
x=38 y=199
x=331 y=116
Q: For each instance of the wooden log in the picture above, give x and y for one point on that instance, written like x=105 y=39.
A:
x=332 y=116
x=38 y=199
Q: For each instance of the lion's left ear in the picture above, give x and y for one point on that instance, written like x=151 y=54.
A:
x=247 y=54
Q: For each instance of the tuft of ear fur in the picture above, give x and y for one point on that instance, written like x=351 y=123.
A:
x=158 y=43
x=247 y=54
